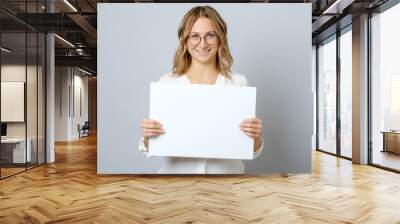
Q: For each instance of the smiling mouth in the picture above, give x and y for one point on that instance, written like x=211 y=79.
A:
x=203 y=52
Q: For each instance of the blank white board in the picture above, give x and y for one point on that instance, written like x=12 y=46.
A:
x=202 y=120
x=12 y=101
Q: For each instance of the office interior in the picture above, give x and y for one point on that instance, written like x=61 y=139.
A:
x=48 y=83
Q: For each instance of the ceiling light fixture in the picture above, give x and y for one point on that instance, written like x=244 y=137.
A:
x=79 y=51
x=338 y=6
x=70 y=5
x=84 y=71
x=5 y=50
x=64 y=40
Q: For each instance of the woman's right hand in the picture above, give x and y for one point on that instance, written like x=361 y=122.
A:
x=151 y=128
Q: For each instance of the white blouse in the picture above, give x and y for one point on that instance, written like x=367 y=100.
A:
x=184 y=165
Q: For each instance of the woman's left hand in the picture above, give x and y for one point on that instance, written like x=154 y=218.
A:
x=252 y=127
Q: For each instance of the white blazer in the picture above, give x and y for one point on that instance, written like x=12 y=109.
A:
x=184 y=165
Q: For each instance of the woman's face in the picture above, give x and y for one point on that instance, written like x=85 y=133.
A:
x=203 y=41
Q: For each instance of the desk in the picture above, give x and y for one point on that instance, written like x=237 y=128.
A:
x=391 y=141
x=13 y=150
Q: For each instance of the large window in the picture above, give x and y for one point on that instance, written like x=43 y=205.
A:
x=335 y=94
x=385 y=89
x=327 y=96
x=346 y=93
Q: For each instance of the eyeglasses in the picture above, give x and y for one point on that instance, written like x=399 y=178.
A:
x=210 y=38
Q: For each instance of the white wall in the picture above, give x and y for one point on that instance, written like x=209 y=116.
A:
x=62 y=81
x=67 y=116
x=79 y=117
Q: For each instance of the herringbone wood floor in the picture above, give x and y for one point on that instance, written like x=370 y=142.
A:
x=70 y=191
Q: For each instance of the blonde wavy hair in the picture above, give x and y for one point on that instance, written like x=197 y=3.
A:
x=183 y=59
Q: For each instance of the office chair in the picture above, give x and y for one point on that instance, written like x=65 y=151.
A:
x=84 y=130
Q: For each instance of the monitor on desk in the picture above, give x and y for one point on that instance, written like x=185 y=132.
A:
x=3 y=130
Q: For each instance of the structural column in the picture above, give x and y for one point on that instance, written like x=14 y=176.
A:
x=360 y=90
x=50 y=91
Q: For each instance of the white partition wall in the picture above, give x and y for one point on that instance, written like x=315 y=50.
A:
x=71 y=102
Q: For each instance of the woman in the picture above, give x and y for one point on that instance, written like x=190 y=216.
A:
x=203 y=57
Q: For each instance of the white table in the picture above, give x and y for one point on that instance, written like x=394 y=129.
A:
x=18 y=145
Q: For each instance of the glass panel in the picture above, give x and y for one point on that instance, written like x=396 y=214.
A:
x=386 y=89
x=13 y=90
x=16 y=8
x=346 y=93
x=327 y=97
x=41 y=99
x=22 y=88
x=31 y=84
x=31 y=100
x=314 y=91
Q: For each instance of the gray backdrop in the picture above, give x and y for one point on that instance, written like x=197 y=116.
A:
x=271 y=46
